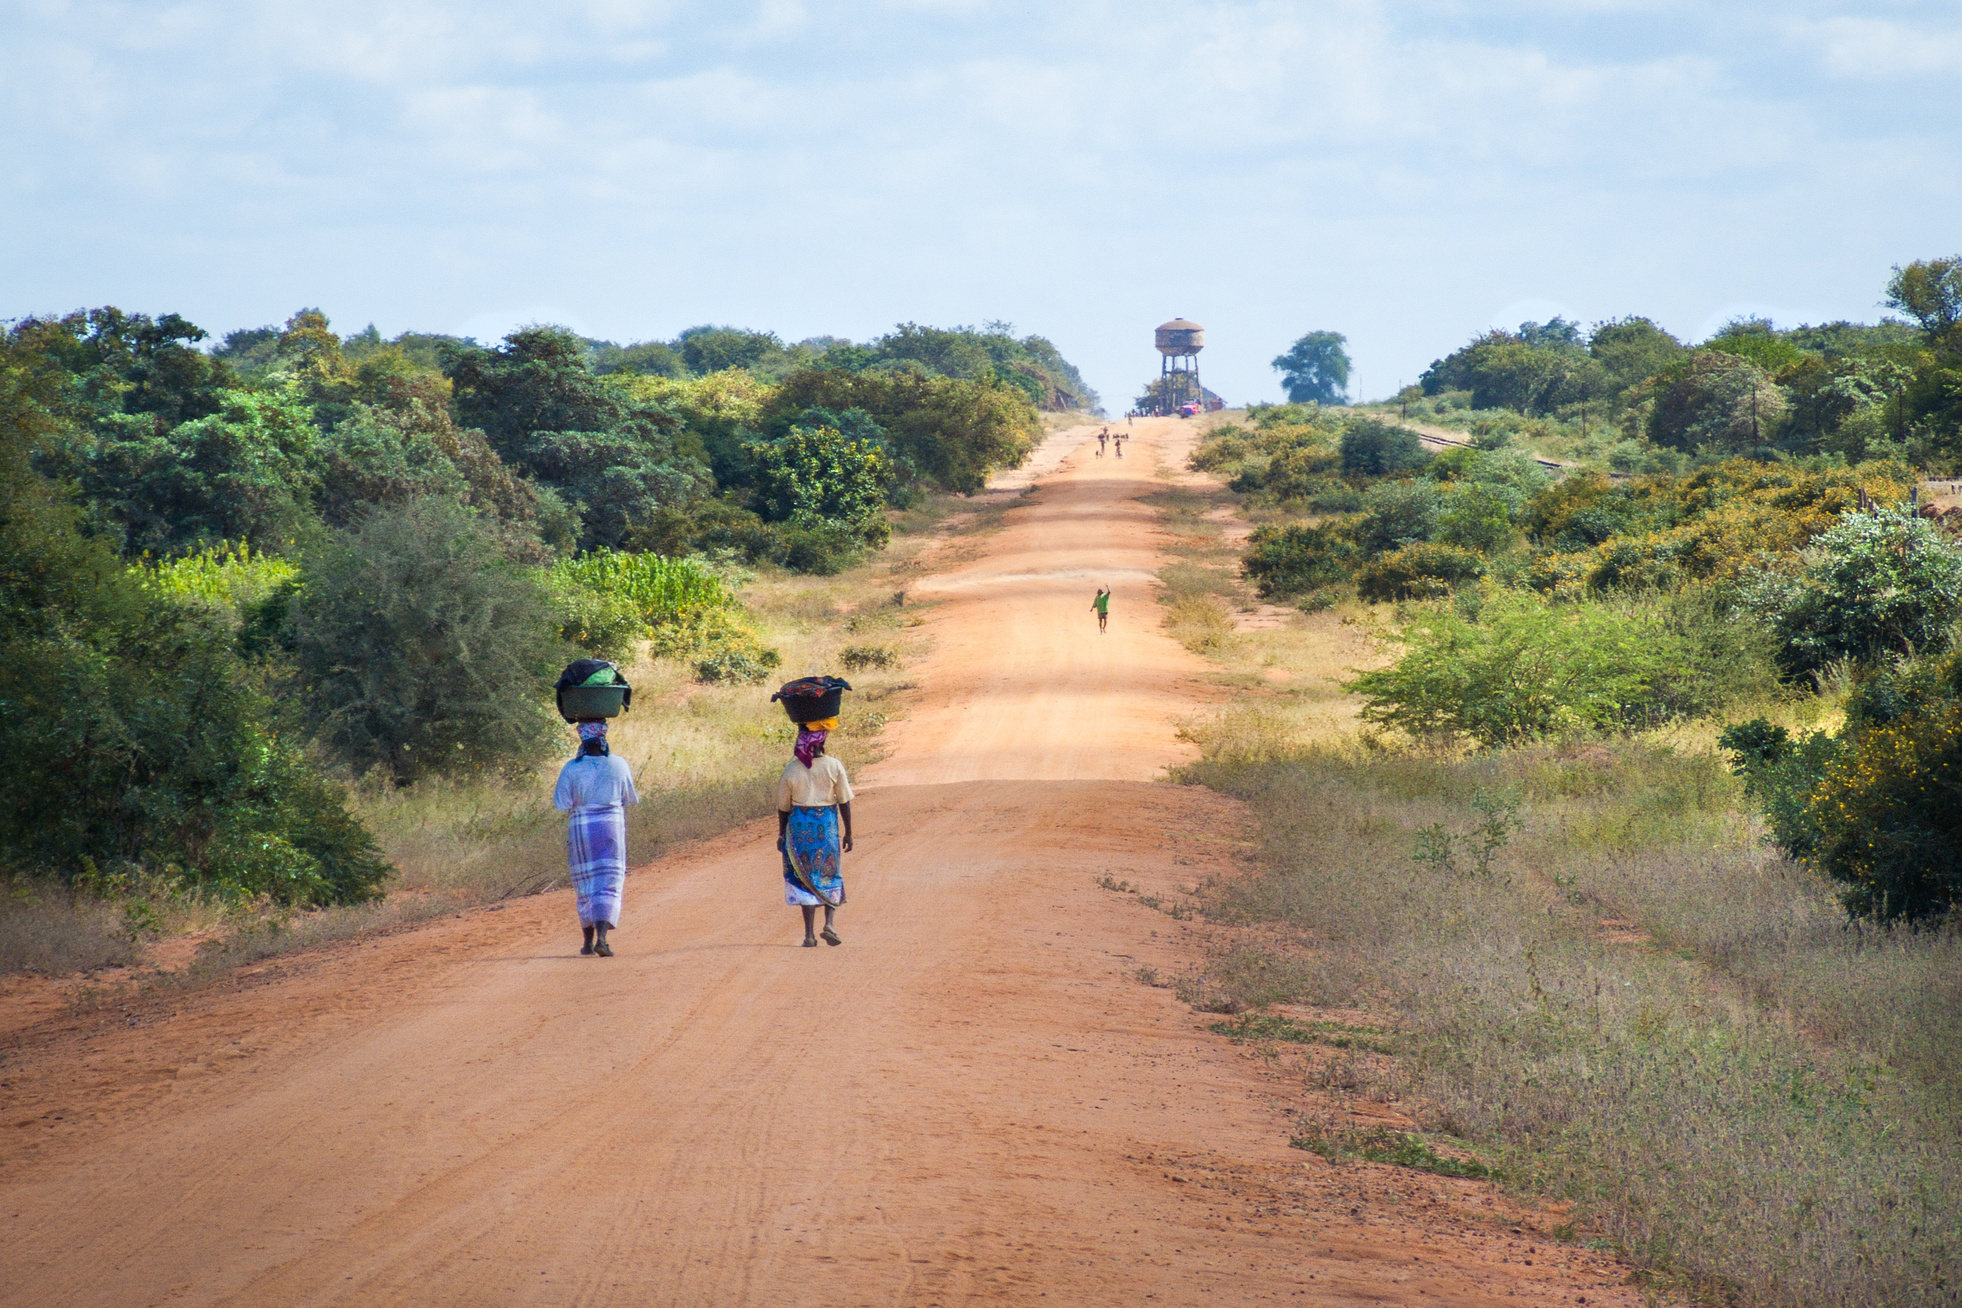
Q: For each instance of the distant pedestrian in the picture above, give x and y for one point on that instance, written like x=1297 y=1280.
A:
x=594 y=790
x=1102 y=438
x=1102 y=605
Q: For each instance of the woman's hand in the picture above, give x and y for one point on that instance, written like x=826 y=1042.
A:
x=846 y=847
x=780 y=844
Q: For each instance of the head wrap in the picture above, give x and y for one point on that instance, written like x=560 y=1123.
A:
x=592 y=738
x=810 y=743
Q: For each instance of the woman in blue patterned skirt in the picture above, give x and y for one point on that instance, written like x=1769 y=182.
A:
x=814 y=796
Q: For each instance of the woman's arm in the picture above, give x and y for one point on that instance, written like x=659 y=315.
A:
x=845 y=812
x=783 y=825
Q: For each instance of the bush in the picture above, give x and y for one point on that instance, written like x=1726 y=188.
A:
x=1522 y=671
x=1874 y=808
x=857 y=658
x=1378 y=449
x=1297 y=559
x=820 y=477
x=1886 y=822
x=1398 y=513
x=1423 y=571
x=421 y=650
x=1877 y=583
x=717 y=641
x=130 y=734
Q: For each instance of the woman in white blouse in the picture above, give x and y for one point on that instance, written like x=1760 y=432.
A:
x=814 y=796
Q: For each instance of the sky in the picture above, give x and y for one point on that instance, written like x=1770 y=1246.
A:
x=1406 y=174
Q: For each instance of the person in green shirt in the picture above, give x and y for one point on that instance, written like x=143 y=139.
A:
x=1102 y=605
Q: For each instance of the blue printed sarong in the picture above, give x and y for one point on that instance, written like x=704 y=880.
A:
x=596 y=851
x=810 y=858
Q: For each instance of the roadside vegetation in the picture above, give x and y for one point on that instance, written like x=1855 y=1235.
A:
x=281 y=617
x=1607 y=821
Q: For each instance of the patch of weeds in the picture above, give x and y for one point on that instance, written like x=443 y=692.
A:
x=1109 y=882
x=1381 y=1145
x=1436 y=846
x=1274 y=1026
x=1152 y=977
x=858 y=658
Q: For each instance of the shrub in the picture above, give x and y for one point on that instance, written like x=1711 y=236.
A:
x=224 y=577
x=1296 y=559
x=1398 y=513
x=1428 y=570
x=658 y=588
x=1877 y=583
x=717 y=641
x=857 y=658
x=820 y=477
x=1523 y=670
x=129 y=732
x=1886 y=821
x=1874 y=807
x=421 y=650
x=1378 y=449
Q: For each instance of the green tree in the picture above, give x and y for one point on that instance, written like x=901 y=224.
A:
x=1876 y=584
x=816 y=476
x=421 y=650
x=1371 y=448
x=1930 y=292
x=129 y=732
x=1632 y=349
x=1720 y=401
x=954 y=431
x=1315 y=369
x=248 y=472
x=615 y=461
x=712 y=349
x=1523 y=670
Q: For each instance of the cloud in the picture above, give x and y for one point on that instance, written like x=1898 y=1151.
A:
x=1878 y=49
x=1393 y=171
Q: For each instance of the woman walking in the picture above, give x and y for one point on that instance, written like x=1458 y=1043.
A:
x=594 y=790
x=814 y=797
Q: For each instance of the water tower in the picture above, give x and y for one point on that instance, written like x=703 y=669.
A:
x=1180 y=341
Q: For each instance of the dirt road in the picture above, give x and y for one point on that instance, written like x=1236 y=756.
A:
x=974 y=1100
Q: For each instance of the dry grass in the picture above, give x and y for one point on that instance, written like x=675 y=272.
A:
x=49 y=930
x=1638 y=1009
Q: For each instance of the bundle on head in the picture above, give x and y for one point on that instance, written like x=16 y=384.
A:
x=812 y=700
x=591 y=689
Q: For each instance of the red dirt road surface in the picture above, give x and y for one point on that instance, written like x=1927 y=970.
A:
x=974 y=1100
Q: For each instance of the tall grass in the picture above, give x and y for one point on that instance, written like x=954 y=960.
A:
x=658 y=587
x=223 y=576
x=1637 y=1009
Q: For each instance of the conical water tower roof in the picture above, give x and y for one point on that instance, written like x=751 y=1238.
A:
x=1180 y=325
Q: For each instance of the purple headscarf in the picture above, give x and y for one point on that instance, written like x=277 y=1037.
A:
x=810 y=744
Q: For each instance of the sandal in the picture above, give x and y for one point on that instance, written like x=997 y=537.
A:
x=603 y=949
x=810 y=943
x=831 y=937
x=586 y=948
